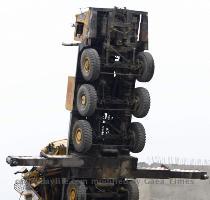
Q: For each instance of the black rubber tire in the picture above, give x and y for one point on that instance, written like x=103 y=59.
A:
x=133 y=190
x=87 y=106
x=141 y=98
x=80 y=189
x=93 y=71
x=147 y=67
x=138 y=137
x=85 y=143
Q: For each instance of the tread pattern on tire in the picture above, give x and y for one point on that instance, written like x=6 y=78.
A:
x=81 y=189
x=91 y=96
x=144 y=102
x=87 y=136
x=149 y=67
x=92 y=54
x=133 y=191
x=139 y=137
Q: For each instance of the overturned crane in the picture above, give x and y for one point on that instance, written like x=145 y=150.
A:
x=95 y=162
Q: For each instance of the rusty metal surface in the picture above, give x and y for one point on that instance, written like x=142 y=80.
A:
x=82 y=22
x=58 y=147
x=70 y=93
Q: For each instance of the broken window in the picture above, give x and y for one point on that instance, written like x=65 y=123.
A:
x=79 y=28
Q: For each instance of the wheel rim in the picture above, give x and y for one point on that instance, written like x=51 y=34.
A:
x=86 y=65
x=78 y=136
x=73 y=194
x=83 y=100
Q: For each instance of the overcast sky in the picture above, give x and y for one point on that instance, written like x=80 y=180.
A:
x=34 y=69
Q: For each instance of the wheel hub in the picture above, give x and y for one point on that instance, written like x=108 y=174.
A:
x=87 y=65
x=78 y=136
x=73 y=194
x=83 y=100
